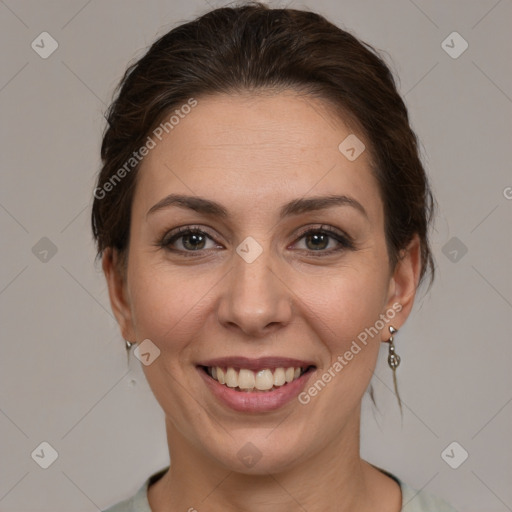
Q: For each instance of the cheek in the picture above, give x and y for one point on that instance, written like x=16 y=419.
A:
x=168 y=303
x=342 y=312
x=168 y=309
x=345 y=301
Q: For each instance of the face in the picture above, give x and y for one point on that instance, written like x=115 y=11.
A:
x=271 y=277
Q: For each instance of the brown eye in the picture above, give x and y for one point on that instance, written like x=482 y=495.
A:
x=190 y=239
x=318 y=240
x=193 y=241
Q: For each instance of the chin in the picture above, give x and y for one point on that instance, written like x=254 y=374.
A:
x=259 y=451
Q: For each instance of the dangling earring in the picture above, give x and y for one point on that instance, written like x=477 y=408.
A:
x=128 y=345
x=393 y=362
x=393 y=357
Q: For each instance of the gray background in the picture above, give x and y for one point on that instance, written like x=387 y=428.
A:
x=64 y=375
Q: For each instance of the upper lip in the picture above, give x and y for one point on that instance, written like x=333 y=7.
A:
x=260 y=363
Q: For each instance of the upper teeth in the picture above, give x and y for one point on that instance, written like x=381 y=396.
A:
x=262 y=380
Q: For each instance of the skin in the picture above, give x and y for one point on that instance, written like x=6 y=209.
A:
x=253 y=153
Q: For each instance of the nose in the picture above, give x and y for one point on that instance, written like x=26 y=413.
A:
x=255 y=299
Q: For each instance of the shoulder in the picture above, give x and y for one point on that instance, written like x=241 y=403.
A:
x=139 y=501
x=421 y=501
x=417 y=501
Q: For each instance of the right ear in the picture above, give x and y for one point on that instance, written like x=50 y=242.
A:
x=118 y=293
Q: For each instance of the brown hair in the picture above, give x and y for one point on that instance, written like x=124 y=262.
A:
x=249 y=48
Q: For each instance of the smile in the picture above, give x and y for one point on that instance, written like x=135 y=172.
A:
x=255 y=385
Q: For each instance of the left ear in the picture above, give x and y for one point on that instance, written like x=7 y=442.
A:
x=404 y=283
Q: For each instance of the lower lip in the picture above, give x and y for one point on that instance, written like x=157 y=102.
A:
x=256 y=401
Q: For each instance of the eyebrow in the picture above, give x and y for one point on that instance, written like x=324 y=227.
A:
x=295 y=207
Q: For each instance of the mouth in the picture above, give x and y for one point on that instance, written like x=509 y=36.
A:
x=255 y=385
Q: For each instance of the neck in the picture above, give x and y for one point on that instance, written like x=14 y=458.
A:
x=336 y=478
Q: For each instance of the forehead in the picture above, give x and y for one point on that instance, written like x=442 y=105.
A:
x=264 y=147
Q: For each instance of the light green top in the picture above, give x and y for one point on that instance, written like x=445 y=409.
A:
x=412 y=500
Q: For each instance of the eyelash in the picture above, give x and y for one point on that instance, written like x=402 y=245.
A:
x=344 y=240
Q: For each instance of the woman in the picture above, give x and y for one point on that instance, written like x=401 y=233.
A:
x=262 y=217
